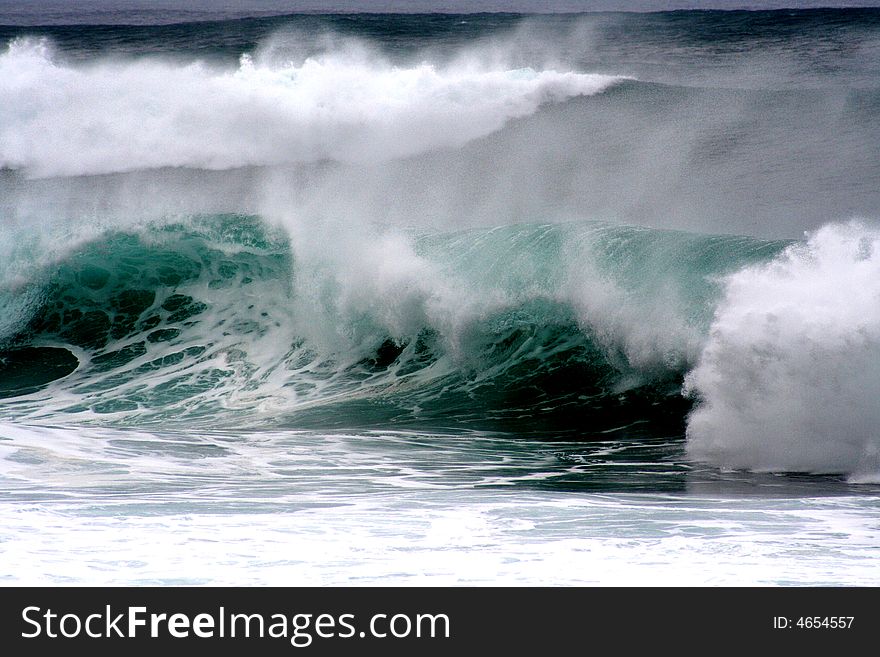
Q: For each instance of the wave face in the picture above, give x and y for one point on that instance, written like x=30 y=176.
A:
x=450 y=223
x=552 y=329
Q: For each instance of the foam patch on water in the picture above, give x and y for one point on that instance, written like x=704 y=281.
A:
x=450 y=540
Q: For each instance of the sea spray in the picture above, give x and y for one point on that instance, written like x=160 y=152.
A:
x=790 y=376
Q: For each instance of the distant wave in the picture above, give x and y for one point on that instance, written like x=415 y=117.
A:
x=347 y=106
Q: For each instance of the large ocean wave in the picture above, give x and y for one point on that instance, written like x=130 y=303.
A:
x=590 y=311
x=332 y=238
x=563 y=331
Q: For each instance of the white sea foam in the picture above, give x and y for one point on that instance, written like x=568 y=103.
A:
x=109 y=507
x=790 y=376
x=347 y=106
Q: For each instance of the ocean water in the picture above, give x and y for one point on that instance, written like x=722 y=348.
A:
x=497 y=298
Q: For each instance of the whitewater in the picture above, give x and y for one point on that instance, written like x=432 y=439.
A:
x=441 y=299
